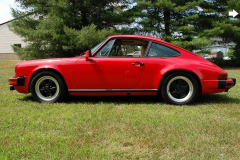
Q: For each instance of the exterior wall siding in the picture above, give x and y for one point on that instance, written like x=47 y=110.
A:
x=8 y=38
x=8 y=56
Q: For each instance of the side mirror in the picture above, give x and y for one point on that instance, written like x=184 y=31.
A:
x=88 y=55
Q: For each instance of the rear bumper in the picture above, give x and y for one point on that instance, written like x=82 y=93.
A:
x=215 y=86
x=230 y=82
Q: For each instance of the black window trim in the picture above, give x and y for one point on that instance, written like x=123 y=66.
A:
x=148 y=48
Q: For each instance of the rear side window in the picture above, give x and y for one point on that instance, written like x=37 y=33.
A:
x=158 y=50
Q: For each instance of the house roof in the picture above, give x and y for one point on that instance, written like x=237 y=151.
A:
x=17 y=18
x=7 y=22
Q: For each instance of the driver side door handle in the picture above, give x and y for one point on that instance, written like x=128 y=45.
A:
x=138 y=63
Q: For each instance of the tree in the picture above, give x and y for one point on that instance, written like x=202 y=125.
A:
x=66 y=27
x=231 y=27
x=186 y=23
x=174 y=21
x=215 y=16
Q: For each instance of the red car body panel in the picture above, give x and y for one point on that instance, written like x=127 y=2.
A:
x=99 y=75
x=108 y=74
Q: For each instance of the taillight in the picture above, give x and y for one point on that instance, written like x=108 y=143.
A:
x=223 y=77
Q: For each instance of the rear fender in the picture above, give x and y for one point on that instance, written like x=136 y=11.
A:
x=198 y=78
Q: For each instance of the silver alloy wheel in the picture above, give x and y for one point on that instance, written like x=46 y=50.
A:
x=179 y=89
x=47 y=88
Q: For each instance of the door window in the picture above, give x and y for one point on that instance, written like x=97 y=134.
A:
x=105 y=49
x=124 y=48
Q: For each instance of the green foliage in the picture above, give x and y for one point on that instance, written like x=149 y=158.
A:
x=231 y=33
x=68 y=27
x=195 y=43
x=230 y=53
x=225 y=63
x=190 y=24
x=236 y=55
x=78 y=42
x=87 y=36
x=174 y=21
x=129 y=49
x=229 y=27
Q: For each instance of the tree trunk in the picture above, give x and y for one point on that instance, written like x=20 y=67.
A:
x=166 y=14
x=84 y=18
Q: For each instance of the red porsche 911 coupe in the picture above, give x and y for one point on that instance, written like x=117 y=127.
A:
x=110 y=69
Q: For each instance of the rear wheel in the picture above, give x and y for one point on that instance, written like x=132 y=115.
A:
x=179 y=88
x=48 y=87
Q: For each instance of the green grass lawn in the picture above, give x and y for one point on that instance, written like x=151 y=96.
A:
x=118 y=127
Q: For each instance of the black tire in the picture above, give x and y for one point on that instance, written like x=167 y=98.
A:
x=48 y=87
x=179 y=88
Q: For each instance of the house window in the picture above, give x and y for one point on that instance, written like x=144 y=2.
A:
x=18 y=45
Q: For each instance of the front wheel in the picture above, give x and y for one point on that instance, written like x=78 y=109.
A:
x=48 y=87
x=179 y=88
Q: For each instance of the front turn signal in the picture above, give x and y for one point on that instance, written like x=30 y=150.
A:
x=12 y=81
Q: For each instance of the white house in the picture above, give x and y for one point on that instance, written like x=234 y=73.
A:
x=219 y=46
x=8 y=38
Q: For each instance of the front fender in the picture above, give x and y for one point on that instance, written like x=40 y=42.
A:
x=65 y=68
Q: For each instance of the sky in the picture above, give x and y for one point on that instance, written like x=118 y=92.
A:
x=5 y=11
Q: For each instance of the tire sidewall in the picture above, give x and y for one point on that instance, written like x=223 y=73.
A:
x=169 y=78
x=62 y=88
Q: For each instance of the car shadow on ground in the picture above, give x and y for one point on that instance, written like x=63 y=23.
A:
x=200 y=100
x=116 y=99
x=219 y=98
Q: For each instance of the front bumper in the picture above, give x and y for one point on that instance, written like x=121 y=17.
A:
x=16 y=81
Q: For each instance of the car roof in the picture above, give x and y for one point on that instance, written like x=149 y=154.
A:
x=154 y=39
x=137 y=36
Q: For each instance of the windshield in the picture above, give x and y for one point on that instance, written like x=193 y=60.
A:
x=97 y=46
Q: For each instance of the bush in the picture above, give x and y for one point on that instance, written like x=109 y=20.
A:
x=225 y=63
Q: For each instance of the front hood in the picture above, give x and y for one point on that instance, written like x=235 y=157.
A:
x=26 y=68
x=50 y=60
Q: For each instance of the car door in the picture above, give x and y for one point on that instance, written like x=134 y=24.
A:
x=106 y=71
